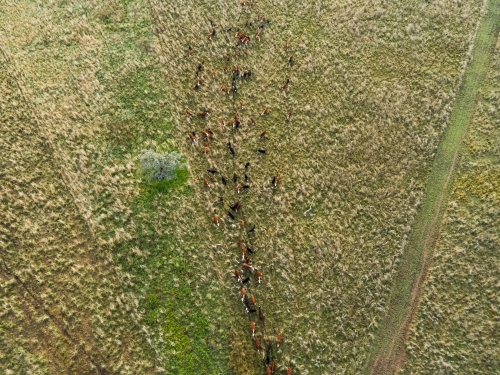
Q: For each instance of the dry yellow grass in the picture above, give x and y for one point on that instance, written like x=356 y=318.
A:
x=371 y=91
x=370 y=94
x=70 y=306
x=54 y=279
x=90 y=79
x=457 y=329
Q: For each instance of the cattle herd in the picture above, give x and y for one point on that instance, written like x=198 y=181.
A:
x=245 y=273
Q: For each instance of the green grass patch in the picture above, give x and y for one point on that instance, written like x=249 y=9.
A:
x=151 y=189
x=140 y=115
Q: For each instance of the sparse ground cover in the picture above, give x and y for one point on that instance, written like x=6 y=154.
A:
x=370 y=93
x=456 y=330
x=105 y=251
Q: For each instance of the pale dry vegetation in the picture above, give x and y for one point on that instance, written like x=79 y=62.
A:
x=370 y=91
x=101 y=254
x=457 y=326
x=64 y=305
x=150 y=275
x=158 y=166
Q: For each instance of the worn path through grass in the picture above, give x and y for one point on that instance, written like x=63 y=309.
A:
x=388 y=352
x=358 y=150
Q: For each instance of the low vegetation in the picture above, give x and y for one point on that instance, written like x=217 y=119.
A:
x=388 y=353
x=106 y=271
x=456 y=328
x=370 y=94
x=95 y=271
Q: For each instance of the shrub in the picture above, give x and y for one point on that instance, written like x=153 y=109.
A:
x=160 y=166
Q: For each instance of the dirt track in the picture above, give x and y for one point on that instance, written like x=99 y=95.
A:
x=388 y=355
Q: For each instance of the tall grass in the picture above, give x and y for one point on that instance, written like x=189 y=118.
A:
x=456 y=328
x=370 y=92
x=388 y=353
x=100 y=245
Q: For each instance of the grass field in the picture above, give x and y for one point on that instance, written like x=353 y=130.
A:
x=150 y=275
x=91 y=79
x=388 y=353
x=456 y=328
x=357 y=149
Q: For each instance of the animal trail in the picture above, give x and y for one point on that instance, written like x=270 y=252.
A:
x=248 y=277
